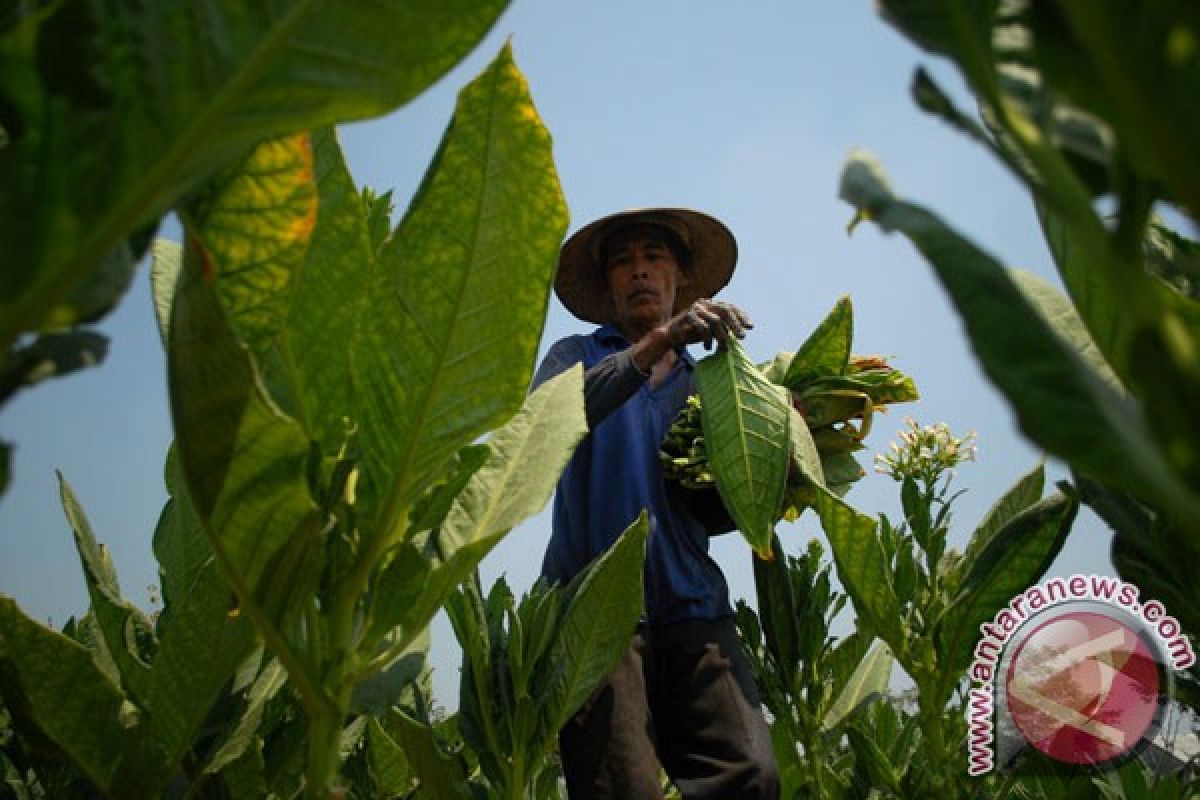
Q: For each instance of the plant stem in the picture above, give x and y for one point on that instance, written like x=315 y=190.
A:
x=324 y=733
x=931 y=711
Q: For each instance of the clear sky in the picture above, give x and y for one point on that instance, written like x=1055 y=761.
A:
x=745 y=110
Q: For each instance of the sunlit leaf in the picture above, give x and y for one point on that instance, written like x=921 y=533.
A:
x=745 y=419
x=459 y=297
x=93 y=99
x=255 y=219
x=243 y=462
x=827 y=349
x=597 y=624
x=525 y=458
x=862 y=565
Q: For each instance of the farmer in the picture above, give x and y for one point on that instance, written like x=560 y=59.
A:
x=683 y=696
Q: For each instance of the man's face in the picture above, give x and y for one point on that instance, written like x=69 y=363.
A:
x=643 y=276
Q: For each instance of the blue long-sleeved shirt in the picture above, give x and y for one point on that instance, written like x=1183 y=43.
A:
x=615 y=473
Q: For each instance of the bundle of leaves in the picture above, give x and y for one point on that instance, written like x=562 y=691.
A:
x=836 y=394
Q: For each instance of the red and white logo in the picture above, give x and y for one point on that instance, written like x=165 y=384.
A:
x=1084 y=687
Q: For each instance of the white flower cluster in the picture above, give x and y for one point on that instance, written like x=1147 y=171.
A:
x=925 y=452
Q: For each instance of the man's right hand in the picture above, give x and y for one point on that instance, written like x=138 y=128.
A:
x=707 y=321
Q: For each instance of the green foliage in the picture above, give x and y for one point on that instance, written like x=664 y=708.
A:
x=111 y=111
x=320 y=375
x=122 y=703
x=330 y=379
x=1082 y=101
x=811 y=684
x=93 y=98
x=527 y=668
x=924 y=602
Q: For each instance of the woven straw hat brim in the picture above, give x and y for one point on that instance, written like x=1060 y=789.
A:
x=582 y=282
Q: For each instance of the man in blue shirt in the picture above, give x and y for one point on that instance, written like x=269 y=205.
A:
x=683 y=696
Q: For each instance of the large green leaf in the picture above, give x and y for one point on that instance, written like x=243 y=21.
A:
x=459 y=298
x=244 y=466
x=595 y=629
x=136 y=101
x=745 y=419
x=50 y=682
x=827 y=349
x=525 y=459
x=869 y=680
x=200 y=645
x=862 y=565
x=244 y=463
x=1022 y=494
x=1061 y=401
x=331 y=300
x=1014 y=559
x=255 y=219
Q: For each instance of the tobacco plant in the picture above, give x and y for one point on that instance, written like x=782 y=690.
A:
x=333 y=464
x=1091 y=107
x=329 y=381
x=117 y=700
x=111 y=111
x=812 y=684
x=527 y=668
x=927 y=601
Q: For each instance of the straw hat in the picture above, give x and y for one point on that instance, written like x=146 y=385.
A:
x=582 y=280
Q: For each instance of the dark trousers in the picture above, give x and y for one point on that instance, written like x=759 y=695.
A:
x=683 y=697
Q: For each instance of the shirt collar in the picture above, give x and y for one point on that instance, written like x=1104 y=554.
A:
x=611 y=335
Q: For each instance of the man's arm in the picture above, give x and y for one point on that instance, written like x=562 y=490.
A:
x=614 y=379
x=606 y=386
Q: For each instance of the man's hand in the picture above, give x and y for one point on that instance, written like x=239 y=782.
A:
x=707 y=321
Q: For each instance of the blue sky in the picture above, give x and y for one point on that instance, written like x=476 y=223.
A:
x=744 y=110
